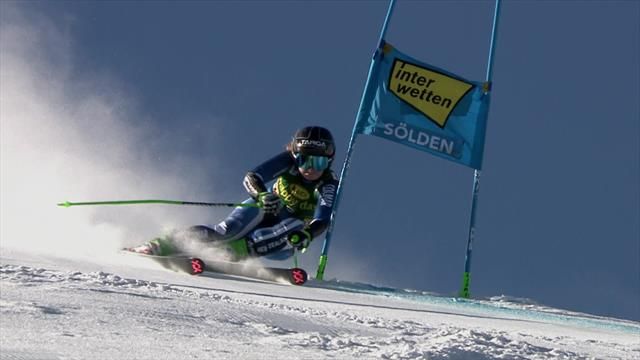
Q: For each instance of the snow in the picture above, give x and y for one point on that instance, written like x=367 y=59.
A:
x=62 y=308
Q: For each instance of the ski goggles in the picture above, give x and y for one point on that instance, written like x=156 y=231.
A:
x=319 y=163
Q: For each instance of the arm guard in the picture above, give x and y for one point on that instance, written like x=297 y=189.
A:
x=253 y=184
x=256 y=179
x=317 y=227
x=326 y=196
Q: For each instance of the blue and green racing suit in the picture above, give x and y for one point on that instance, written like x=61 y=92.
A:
x=307 y=206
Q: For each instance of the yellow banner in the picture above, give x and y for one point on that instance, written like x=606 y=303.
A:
x=429 y=92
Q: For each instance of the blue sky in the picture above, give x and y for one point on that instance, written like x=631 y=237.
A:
x=203 y=91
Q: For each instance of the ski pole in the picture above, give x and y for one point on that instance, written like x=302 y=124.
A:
x=170 y=202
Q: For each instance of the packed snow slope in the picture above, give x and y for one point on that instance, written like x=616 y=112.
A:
x=58 y=308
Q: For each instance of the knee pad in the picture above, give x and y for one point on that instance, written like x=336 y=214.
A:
x=274 y=238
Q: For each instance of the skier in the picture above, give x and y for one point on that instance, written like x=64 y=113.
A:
x=295 y=210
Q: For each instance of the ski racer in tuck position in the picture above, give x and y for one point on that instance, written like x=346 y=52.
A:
x=289 y=215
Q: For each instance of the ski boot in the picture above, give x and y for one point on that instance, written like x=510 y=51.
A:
x=160 y=246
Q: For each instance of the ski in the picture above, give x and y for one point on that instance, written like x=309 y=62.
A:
x=177 y=263
x=294 y=276
x=195 y=266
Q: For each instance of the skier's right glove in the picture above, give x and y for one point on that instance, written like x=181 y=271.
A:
x=269 y=202
x=299 y=240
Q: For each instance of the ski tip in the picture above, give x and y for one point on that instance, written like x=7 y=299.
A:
x=298 y=276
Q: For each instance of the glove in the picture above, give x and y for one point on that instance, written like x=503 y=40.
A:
x=269 y=202
x=299 y=239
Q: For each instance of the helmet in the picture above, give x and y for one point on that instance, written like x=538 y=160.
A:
x=313 y=140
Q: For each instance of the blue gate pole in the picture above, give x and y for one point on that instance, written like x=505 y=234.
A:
x=372 y=70
x=464 y=292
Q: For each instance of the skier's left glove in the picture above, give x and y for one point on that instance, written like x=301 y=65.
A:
x=299 y=239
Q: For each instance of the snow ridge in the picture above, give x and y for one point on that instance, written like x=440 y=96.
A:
x=104 y=308
x=500 y=305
